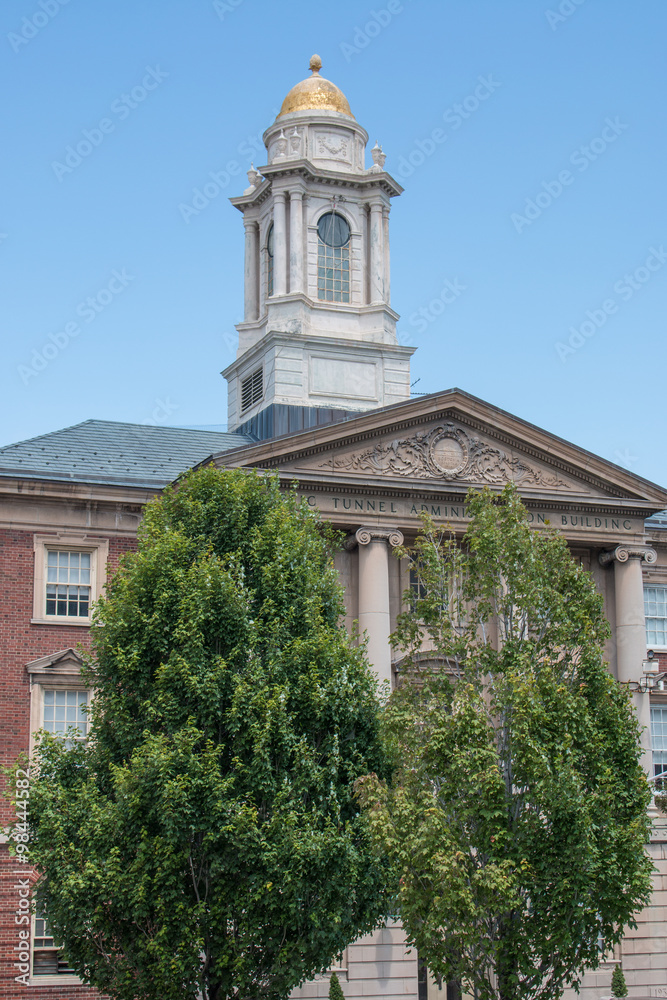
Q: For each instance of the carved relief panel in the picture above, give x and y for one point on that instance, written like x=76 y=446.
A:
x=332 y=145
x=448 y=452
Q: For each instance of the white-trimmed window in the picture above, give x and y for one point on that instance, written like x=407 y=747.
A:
x=333 y=258
x=659 y=741
x=58 y=697
x=47 y=956
x=64 y=708
x=655 y=610
x=70 y=572
x=68 y=583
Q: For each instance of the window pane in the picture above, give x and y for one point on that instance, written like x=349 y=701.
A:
x=655 y=609
x=68 y=584
x=66 y=708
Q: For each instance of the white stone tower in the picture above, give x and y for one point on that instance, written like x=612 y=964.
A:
x=318 y=340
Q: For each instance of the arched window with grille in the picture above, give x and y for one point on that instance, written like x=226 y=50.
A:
x=333 y=258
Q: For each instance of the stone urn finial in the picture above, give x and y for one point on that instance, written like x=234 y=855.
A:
x=378 y=156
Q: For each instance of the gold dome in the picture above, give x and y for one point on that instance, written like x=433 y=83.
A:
x=315 y=94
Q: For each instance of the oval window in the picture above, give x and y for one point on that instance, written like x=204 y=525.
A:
x=333 y=230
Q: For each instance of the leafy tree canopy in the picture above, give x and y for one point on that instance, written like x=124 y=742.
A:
x=517 y=812
x=207 y=838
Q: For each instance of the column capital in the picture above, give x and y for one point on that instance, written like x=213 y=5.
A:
x=297 y=192
x=280 y=196
x=622 y=553
x=250 y=223
x=392 y=536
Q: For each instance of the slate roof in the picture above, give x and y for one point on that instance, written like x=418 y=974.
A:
x=108 y=452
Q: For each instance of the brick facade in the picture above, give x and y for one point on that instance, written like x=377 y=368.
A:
x=20 y=643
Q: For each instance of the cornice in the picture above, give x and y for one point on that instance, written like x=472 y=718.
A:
x=456 y=493
x=313 y=343
x=304 y=168
x=471 y=412
x=36 y=488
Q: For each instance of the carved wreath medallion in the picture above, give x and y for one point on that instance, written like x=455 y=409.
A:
x=446 y=452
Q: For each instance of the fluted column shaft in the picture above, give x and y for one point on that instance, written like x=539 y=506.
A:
x=631 y=630
x=376 y=237
x=387 y=271
x=374 y=609
x=251 y=277
x=279 y=244
x=296 y=241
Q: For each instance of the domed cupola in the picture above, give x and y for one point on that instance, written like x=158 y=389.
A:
x=315 y=94
x=319 y=334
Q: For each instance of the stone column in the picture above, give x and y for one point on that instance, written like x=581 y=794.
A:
x=296 y=241
x=279 y=244
x=385 y=238
x=375 y=235
x=374 y=616
x=251 y=310
x=631 y=629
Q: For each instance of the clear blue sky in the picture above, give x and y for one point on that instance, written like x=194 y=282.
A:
x=570 y=89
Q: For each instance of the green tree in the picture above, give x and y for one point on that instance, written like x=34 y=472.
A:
x=207 y=837
x=517 y=814
x=336 y=990
x=618 y=984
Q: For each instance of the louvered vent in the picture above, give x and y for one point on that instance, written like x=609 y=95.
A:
x=252 y=389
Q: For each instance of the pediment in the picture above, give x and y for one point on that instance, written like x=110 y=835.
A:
x=448 y=452
x=63 y=666
x=448 y=442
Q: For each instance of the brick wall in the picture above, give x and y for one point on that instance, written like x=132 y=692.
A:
x=21 y=642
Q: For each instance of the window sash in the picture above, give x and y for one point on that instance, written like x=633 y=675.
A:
x=63 y=709
x=68 y=583
x=655 y=612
